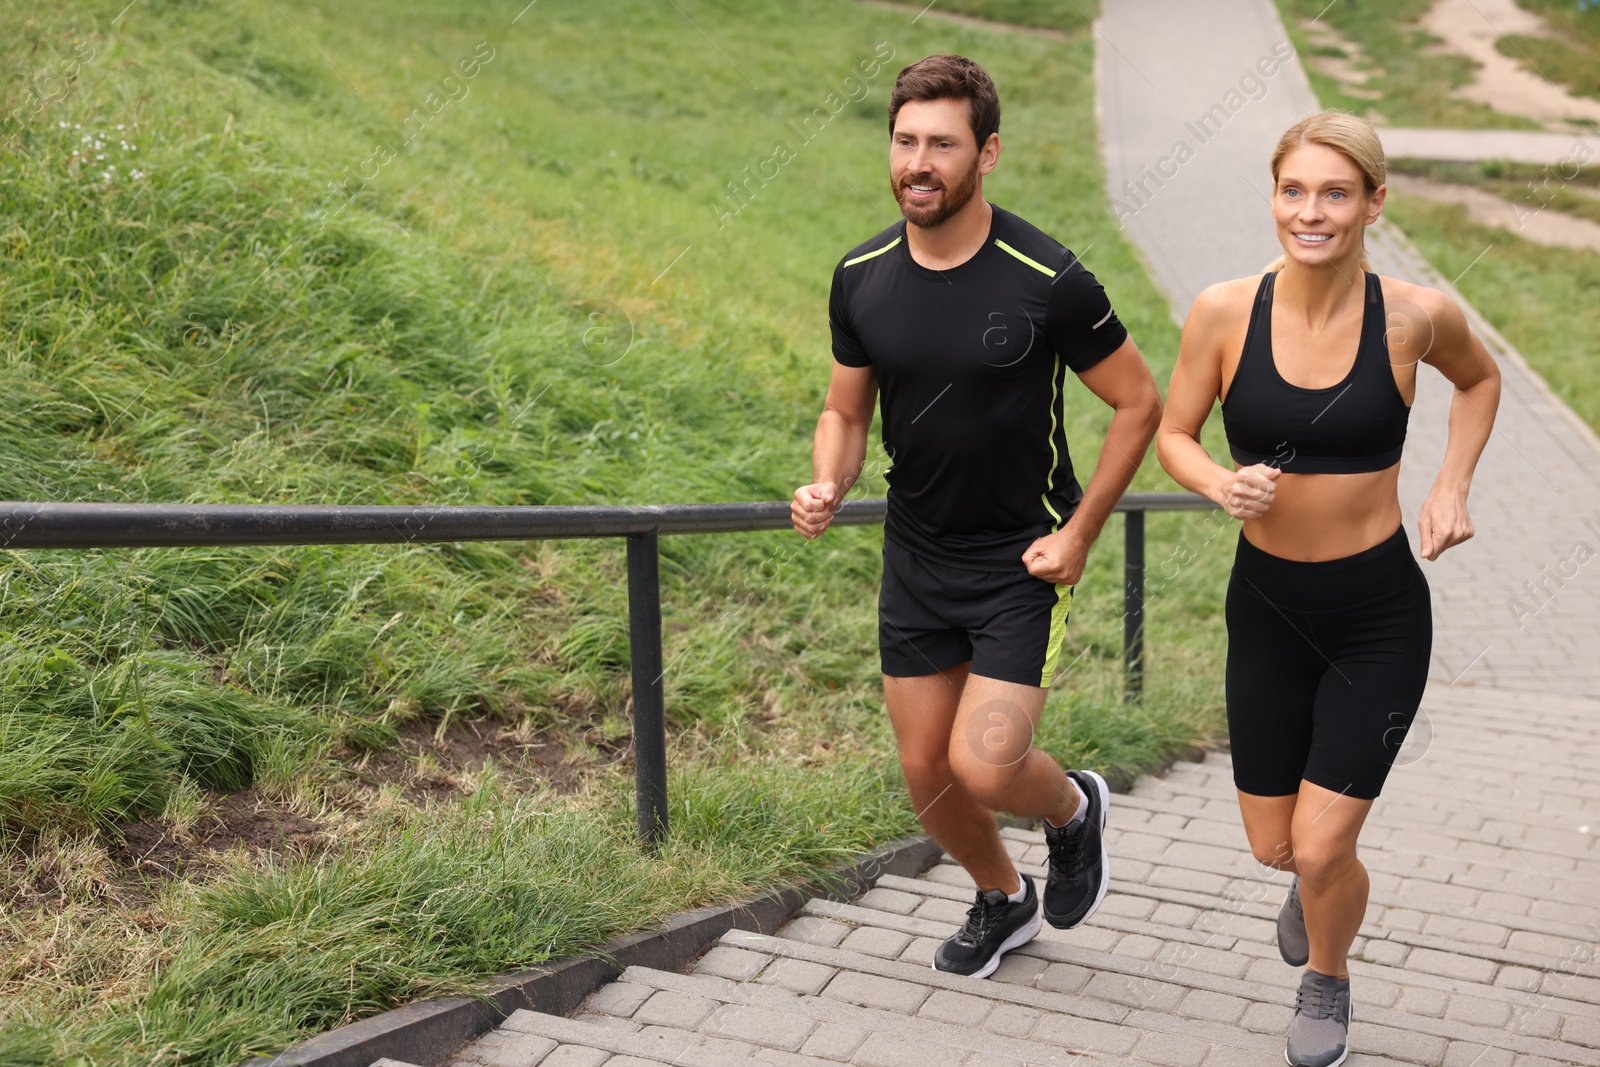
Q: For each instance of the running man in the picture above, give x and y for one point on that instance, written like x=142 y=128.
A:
x=967 y=318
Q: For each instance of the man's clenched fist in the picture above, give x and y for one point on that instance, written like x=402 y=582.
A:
x=813 y=508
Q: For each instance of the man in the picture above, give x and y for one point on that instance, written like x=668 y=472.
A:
x=966 y=317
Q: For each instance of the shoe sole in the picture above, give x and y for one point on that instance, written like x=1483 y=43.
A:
x=1021 y=937
x=1342 y=1056
x=1105 y=862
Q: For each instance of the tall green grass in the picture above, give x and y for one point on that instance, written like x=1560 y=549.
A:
x=534 y=301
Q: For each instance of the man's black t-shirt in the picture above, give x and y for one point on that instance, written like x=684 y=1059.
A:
x=971 y=364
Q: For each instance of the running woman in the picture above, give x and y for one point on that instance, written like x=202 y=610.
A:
x=968 y=318
x=1329 y=622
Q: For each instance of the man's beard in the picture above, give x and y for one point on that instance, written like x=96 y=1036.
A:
x=931 y=215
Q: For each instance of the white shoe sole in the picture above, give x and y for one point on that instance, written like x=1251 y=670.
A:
x=1021 y=937
x=1105 y=862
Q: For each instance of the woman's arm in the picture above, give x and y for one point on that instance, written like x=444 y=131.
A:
x=1458 y=354
x=1196 y=383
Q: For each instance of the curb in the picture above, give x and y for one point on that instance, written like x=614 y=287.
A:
x=429 y=1032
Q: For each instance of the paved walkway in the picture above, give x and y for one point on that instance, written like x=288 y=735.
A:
x=1479 y=944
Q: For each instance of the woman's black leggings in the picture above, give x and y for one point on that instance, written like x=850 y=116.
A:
x=1326 y=666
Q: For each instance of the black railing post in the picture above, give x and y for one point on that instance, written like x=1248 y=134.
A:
x=1133 y=609
x=649 y=706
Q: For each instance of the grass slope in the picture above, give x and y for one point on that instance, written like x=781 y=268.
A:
x=383 y=254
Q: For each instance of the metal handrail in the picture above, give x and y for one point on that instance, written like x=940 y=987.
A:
x=81 y=526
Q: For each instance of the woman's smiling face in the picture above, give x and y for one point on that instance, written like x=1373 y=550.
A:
x=1321 y=206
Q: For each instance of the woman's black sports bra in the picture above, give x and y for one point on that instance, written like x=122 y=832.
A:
x=1355 y=426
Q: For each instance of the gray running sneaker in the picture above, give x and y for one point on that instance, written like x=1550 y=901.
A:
x=1319 y=1036
x=1293 y=944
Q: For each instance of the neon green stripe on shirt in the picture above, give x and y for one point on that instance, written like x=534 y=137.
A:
x=1034 y=263
x=879 y=252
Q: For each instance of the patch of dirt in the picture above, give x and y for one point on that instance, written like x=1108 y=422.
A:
x=1526 y=220
x=427 y=763
x=1351 y=70
x=231 y=821
x=1471 y=28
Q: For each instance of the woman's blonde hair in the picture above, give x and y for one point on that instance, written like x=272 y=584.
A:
x=1342 y=132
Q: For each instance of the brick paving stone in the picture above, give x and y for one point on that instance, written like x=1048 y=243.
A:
x=1063 y=977
x=1172 y=1049
x=891 y=900
x=874 y=991
x=735 y=963
x=1479 y=1011
x=939 y=910
x=1267 y=1018
x=1535 y=1020
x=1085 y=1034
x=759 y=1026
x=1421 y=1001
x=1012 y=1020
x=1407 y=1045
x=1179 y=915
x=1139 y=947
x=1525 y=979
x=1018 y=969
x=1227 y=1056
x=515 y=1050
x=670 y=1009
x=921 y=951
x=875 y=941
x=1468 y=1054
x=576 y=1056
x=798 y=976
x=814 y=930
x=959 y=1009
x=1135 y=991
x=1388 y=953
x=1128 y=907
x=1580 y=1030
x=893 y=1050
x=618 y=998
x=834 y=1041
x=1180 y=955
x=1213 y=1007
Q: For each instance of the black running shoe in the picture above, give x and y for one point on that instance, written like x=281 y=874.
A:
x=1079 y=873
x=994 y=927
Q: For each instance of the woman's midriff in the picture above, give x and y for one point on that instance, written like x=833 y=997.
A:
x=1317 y=517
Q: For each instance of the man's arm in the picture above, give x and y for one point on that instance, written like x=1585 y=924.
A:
x=1123 y=381
x=838 y=450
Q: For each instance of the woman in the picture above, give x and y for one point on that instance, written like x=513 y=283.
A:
x=1329 y=624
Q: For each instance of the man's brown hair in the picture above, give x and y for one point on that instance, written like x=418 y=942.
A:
x=947 y=77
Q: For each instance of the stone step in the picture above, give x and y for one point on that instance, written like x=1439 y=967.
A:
x=1221 y=825
x=1531 y=790
x=1515 y=948
x=1435 y=878
x=1232 y=957
x=1520 y=874
x=1519 y=802
x=654 y=1044
x=1149 y=1000
x=783 y=1004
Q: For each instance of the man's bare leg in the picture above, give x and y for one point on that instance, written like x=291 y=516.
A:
x=992 y=753
x=923 y=712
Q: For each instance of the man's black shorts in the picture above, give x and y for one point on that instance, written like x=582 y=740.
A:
x=932 y=617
